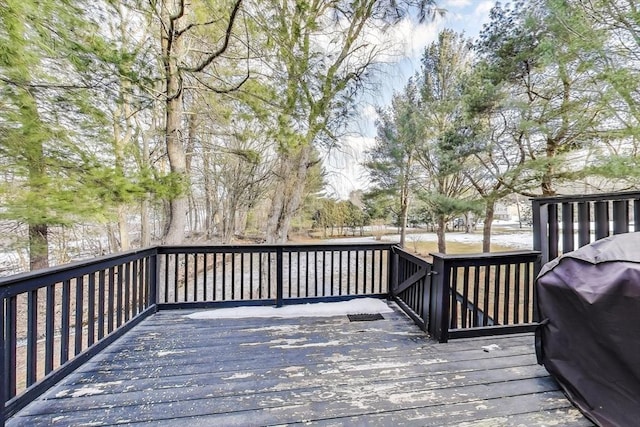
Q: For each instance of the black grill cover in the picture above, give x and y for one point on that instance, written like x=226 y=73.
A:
x=589 y=305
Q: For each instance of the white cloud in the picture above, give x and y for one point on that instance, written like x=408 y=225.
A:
x=369 y=112
x=482 y=10
x=456 y=4
x=413 y=36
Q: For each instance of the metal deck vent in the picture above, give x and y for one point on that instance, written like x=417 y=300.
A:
x=364 y=317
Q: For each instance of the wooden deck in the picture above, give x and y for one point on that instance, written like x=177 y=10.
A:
x=172 y=370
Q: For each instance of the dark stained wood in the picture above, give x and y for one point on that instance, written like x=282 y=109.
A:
x=173 y=370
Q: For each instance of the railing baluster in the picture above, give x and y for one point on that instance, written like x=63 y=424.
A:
x=349 y=273
x=332 y=267
x=101 y=296
x=242 y=296
x=527 y=291
x=485 y=307
x=91 y=312
x=195 y=276
x=134 y=288
x=306 y=281
x=516 y=295
x=553 y=230
x=567 y=227
x=176 y=269
x=496 y=293
x=111 y=300
x=224 y=276
x=262 y=255
x=166 y=278
x=289 y=272
x=357 y=271
x=298 y=273
x=127 y=291
x=10 y=346
x=620 y=216
x=584 y=224
x=507 y=288
x=454 y=300
x=465 y=295
x=476 y=294
x=65 y=321
x=204 y=277
x=251 y=255
x=120 y=296
x=233 y=276
x=340 y=278
x=279 y=276
x=215 y=276
x=185 y=281
x=269 y=274
x=32 y=336
x=78 y=319
x=50 y=328
x=601 y=209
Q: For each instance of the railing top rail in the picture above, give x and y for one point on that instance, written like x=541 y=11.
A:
x=625 y=195
x=35 y=279
x=508 y=256
x=287 y=247
x=411 y=257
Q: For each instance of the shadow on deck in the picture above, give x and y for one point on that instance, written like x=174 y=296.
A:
x=173 y=370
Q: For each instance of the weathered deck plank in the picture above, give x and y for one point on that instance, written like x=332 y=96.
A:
x=325 y=371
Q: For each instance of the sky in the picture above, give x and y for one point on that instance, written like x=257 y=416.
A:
x=343 y=165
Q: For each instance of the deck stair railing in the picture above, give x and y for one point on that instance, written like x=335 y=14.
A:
x=459 y=296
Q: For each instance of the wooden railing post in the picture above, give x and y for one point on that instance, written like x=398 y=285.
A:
x=153 y=282
x=279 y=276
x=393 y=271
x=440 y=299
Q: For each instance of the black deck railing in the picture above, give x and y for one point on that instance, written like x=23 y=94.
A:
x=564 y=223
x=215 y=276
x=461 y=296
x=53 y=320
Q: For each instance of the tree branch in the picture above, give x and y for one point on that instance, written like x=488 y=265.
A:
x=232 y=18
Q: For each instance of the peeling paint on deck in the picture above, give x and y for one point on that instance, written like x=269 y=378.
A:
x=324 y=371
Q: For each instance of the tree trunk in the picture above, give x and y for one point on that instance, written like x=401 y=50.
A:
x=145 y=227
x=440 y=232
x=404 y=211
x=486 y=228
x=123 y=228
x=171 y=50
x=289 y=189
x=38 y=246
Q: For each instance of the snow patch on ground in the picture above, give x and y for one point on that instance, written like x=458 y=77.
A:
x=87 y=390
x=315 y=344
x=321 y=309
x=239 y=375
x=169 y=352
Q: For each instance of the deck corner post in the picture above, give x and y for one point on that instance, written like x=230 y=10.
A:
x=279 y=276
x=440 y=297
x=154 y=273
x=393 y=271
x=537 y=266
